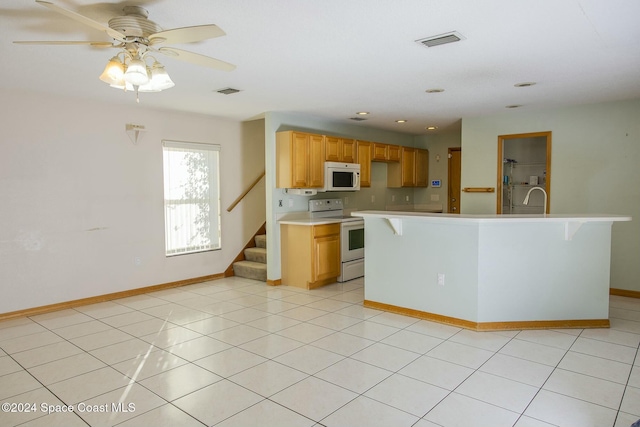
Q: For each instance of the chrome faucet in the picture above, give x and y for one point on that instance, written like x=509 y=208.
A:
x=526 y=198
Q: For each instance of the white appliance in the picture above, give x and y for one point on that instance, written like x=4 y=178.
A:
x=351 y=236
x=341 y=176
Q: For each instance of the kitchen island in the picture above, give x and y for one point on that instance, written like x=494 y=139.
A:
x=490 y=272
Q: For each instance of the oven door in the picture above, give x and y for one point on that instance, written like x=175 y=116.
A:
x=352 y=240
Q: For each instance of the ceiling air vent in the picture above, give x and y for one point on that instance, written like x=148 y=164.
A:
x=228 y=91
x=441 y=39
x=357 y=119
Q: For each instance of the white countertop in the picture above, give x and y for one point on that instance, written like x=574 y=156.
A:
x=493 y=217
x=310 y=222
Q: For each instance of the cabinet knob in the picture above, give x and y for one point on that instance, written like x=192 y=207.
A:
x=454 y=209
x=453 y=199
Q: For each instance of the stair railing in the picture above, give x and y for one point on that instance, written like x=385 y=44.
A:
x=245 y=192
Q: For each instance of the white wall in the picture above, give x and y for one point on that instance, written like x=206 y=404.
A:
x=79 y=202
x=594 y=168
x=438 y=145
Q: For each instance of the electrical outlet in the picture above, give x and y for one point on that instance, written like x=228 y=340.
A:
x=373 y=199
x=346 y=200
x=407 y=198
x=393 y=198
x=441 y=279
x=290 y=203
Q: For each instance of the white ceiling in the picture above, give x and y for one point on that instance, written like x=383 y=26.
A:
x=332 y=58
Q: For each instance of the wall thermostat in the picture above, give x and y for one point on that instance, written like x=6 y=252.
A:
x=435 y=183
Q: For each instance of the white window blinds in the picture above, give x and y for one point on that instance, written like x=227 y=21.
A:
x=191 y=197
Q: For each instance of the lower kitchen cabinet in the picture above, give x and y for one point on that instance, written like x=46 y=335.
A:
x=310 y=254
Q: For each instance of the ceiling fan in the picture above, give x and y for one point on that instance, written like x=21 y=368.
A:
x=138 y=38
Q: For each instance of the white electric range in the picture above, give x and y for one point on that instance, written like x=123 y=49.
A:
x=351 y=236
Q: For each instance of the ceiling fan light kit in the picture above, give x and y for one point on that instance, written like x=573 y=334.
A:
x=136 y=36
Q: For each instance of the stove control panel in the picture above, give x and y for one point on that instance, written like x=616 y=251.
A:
x=323 y=205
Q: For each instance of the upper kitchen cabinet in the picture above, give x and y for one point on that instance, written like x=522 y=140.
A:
x=300 y=160
x=385 y=152
x=422 y=167
x=364 y=159
x=380 y=152
x=340 y=149
x=411 y=171
x=394 y=153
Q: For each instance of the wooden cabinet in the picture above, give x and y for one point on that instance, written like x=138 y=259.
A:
x=411 y=171
x=364 y=159
x=310 y=254
x=299 y=160
x=422 y=168
x=408 y=167
x=394 y=153
x=380 y=152
x=349 y=154
x=385 y=152
x=340 y=149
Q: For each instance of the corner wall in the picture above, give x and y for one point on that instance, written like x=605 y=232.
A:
x=594 y=168
x=80 y=204
x=438 y=145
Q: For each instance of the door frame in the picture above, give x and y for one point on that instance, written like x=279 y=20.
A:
x=547 y=185
x=449 y=156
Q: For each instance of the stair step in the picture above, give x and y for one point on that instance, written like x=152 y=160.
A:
x=261 y=240
x=250 y=270
x=256 y=255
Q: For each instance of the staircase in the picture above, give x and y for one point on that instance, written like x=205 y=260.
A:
x=254 y=265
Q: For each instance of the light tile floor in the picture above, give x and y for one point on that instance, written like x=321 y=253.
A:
x=235 y=352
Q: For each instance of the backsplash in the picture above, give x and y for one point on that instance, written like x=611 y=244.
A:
x=376 y=197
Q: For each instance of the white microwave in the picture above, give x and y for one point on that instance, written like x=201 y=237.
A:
x=341 y=176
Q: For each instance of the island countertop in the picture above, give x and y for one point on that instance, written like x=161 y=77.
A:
x=490 y=272
x=493 y=217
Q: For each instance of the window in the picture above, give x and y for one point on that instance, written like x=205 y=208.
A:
x=191 y=197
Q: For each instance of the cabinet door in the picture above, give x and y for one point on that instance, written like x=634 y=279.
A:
x=380 y=152
x=364 y=159
x=348 y=151
x=394 y=153
x=422 y=168
x=316 y=161
x=333 y=149
x=408 y=167
x=326 y=257
x=299 y=159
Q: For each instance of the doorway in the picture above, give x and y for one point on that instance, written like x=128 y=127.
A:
x=524 y=163
x=455 y=168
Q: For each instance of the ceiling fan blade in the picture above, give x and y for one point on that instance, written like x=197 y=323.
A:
x=196 y=58
x=187 y=34
x=83 y=19
x=62 y=43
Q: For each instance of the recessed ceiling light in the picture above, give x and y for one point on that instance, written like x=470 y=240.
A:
x=401 y=121
x=362 y=113
x=513 y=106
x=434 y=90
x=431 y=127
x=524 y=84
